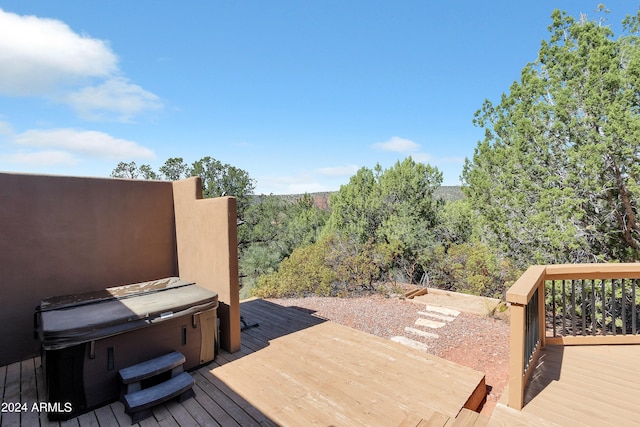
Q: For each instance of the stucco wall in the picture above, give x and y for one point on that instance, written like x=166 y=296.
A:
x=62 y=235
x=207 y=247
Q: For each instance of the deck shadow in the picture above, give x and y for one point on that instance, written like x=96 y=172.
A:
x=548 y=369
x=274 y=321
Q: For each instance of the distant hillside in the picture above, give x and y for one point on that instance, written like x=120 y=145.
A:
x=449 y=193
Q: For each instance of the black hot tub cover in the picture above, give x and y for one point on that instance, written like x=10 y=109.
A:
x=73 y=319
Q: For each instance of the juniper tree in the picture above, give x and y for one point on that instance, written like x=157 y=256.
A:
x=556 y=176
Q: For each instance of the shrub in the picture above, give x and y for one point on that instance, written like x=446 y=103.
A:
x=304 y=272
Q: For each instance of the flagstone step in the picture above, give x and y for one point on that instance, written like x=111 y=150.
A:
x=410 y=343
x=436 y=316
x=428 y=323
x=420 y=332
x=443 y=310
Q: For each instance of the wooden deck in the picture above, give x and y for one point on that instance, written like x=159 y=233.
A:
x=293 y=369
x=580 y=385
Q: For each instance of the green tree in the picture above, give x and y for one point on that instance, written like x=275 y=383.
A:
x=273 y=229
x=457 y=223
x=355 y=209
x=303 y=223
x=132 y=171
x=220 y=179
x=394 y=206
x=174 y=169
x=556 y=176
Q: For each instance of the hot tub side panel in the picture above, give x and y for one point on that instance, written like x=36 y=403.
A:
x=93 y=367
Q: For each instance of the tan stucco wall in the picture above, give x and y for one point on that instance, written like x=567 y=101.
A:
x=62 y=235
x=207 y=245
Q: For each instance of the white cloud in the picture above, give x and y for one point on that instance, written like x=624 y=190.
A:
x=83 y=142
x=39 y=53
x=397 y=144
x=41 y=158
x=6 y=128
x=348 y=170
x=116 y=96
x=44 y=57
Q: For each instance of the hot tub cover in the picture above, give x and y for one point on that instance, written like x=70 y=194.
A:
x=73 y=319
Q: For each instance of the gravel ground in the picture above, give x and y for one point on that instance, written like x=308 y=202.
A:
x=479 y=342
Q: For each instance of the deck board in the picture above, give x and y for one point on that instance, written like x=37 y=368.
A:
x=293 y=369
x=580 y=385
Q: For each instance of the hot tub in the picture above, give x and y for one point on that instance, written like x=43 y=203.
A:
x=87 y=338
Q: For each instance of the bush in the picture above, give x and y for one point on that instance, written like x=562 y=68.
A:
x=303 y=273
x=473 y=268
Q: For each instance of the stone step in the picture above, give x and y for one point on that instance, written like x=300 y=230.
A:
x=436 y=316
x=429 y=323
x=443 y=310
x=420 y=332
x=410 y=343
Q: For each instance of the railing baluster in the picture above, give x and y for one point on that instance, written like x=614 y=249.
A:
x=553 y=305
x=604 y=309
x=633 y=305
x=591 y=295
x=594 y=312
x=573 y=308
x=623 y=314
x=613 y=306
x=564 y=308
x=584 y=310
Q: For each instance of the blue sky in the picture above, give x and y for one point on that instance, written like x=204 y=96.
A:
x=300 y=94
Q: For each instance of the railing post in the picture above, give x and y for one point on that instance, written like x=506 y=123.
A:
x=520 y=362
x=516 y=356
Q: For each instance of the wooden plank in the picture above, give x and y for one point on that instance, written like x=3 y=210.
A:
x=386 y=363
x=117 y=408
x=106 y=417
x=12 y=395
x=164 y=417
x=199 y=414
x=466 y=417
x=374 y=354
x=88 y=420
x=73 y=422
x=285 y=396
x=215 y=411
x=581 y=375
x=238 y=409
x=411 y=420
x=29 y=393
x=436 y=420
x=593 y=271
x=149 y=422
x=522 y=290
x=503 y=416
x=180 y=414
x=416 y=293
x=42 y=393
x=286 y=378
x=593 y=340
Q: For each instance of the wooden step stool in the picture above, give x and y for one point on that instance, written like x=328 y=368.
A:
x=138 y=401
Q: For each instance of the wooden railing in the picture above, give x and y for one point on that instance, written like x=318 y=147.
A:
x=589 y=304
